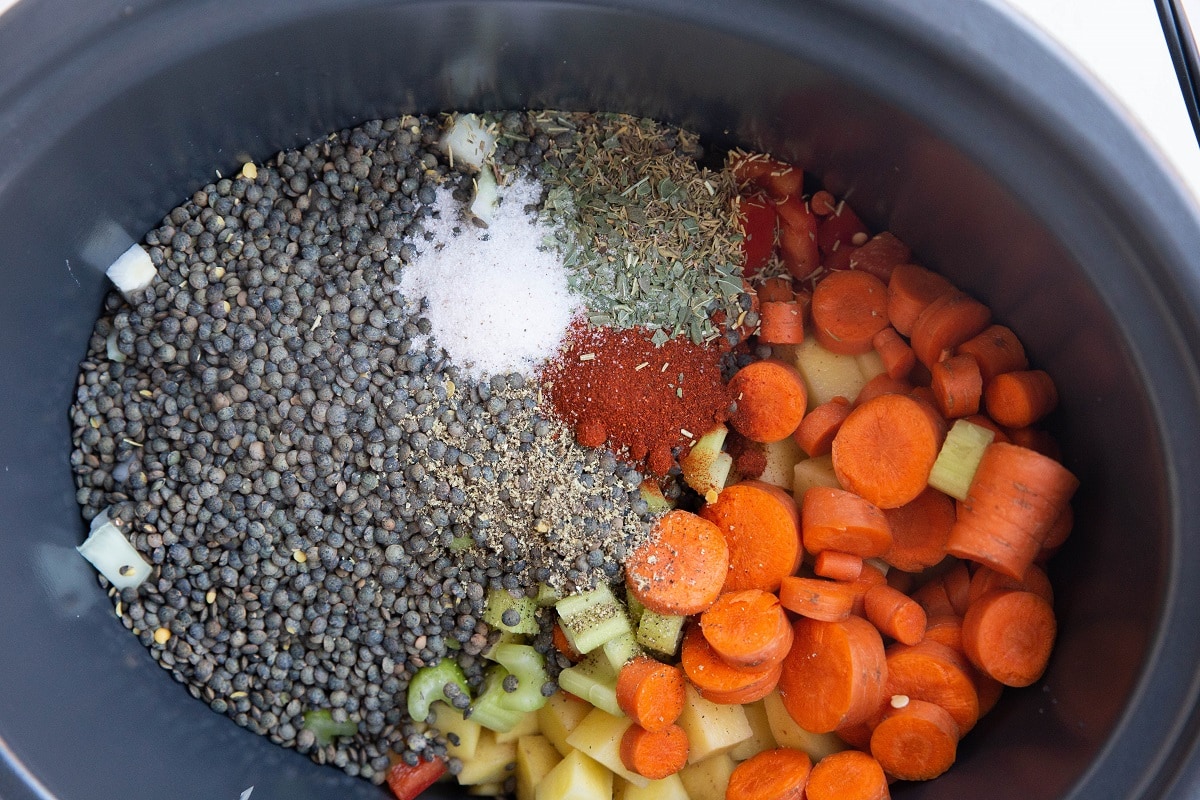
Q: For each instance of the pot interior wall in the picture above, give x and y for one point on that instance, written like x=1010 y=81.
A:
x=131 y=124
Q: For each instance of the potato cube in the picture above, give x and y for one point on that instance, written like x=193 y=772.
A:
x=712 y=728
x=559 y=717
x=788 y=734
x=813 y=472
x=576 y=777
x=450 y=721
x=536 y=756
x=669 y=788
x=599 y=736
x=763 y=739
x=493 y=762
x=526 y=727
x=708 y=779
x=827 y=374
x=781 y=463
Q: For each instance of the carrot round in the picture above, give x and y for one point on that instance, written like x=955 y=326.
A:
x=933 y=672
x=933 y=598
x=838 y=230
x=681 y=567
x=1034 y=580
x=781 y=323
x=916 y=741
x=901 y=581
x=898 y=358
x=747 y=629
x=761 y=527
x=1009 y=634
x=895 y=614
x=848 y=309
x=817 y=598
x=798 y=248
x=838 y=566
x=1019 y=399
x=996 y=350
x=650 y=693
x=957 y=580
x=847 y=775
x=771 y=399
x=957 y=386
x=1014 y=499
x=910 y=291
x=654 y=754
x=882 y=383
x=834 y=675
x=779 y=774
x=776 y=290
x=946 y=323
x=822 y=203
x=945 y=629
x=835 y=519
x=719 y=682
x=880 y=254
x=1060 y=530
x=563 y=645
x=818 y=427
x=920 y=529
x=886 y=448
x=778 y=178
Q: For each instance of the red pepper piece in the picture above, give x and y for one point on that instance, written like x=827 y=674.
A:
x=407 y=782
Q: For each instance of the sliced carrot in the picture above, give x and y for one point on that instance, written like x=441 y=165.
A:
x=563 y=645
x=886 y=448
x=882 y=383
x=681 y=567
x=989 y=690
x=747 y=629
x=1014 y=499
x=650 y=693
x=880 y=255
x=1009 y=634
x=910 y=291
x=1035 y=439
x=957 y=386
x=996 y=350
x=781 y=323
x=771 y=775
x=920 y=529
x=848 y=309
x=933 y=598
x=838 y=231
x=838 y=259
x=895 y=614
x=847 y=775
x=946 y=323
x=957 y=580
x=901 y=581
x=945 y=629
x=816 y=430
x=771 y=399
x=719 y=682
x=838 y=566
x=798 y=237
x=822 y=203
x=857 y=735
x=817 y=598
x=835 y=519
x=916 y=741
x=1034 y=580
x=933 y=672
x=654 y=754
x=761 y=528
x=756 y=215
x=778 y=178
x=925 y=394
x=834 y=675
x=1060 y=530
x=898 y=358
x=776 y=290
x=1019 y=399
x=869 y=577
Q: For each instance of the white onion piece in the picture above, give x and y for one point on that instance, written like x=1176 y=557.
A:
x=110 y=346
x=133 y=270
x=487 y=197
x=110 y=552
x=468 y=141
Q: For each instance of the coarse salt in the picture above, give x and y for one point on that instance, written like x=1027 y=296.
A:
x=497 y=300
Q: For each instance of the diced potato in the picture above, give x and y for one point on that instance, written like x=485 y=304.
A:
x=599 y=737
x=788 y=734
x=536 y=756
x=561 y=715
x=486 y=790
x=669 y=788
x=782 y=457
x=493 y=762
x=526 y=727
x=708 y=779
x=450 y=721
x=870 y=364
x=762 y=739
x=712 y=728
x=813 y=472
x=827 y=374
x=576 y=777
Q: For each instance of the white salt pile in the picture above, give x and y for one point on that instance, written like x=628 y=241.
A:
x=497 y=300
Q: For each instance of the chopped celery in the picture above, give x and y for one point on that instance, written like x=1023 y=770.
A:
x=660 y=632
x=620 y=650
x=429 y=684
x=547 y=596
x=585 y=601
x=959 y=458
x=488 y=709
x=529 y=668
x=594 y=680
x=634 y=606
x=592 y=618
x=699 y=463
x=500 y=602
x=656 y=501
x=321 y=723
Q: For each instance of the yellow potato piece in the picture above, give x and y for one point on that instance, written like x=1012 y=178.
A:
x=711 y=728
x=788 y=734
x=576 y=777
x=781 y=463
x=536 y=756
x=708 y=779
x=449 y=720
x=763 y=739
x=493 y=761
x=599 y=737
x=827 y=374
x=669 y=788
x=561 y=714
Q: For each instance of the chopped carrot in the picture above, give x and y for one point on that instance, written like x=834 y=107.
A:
x=900 y=580
x=838 y=259
x=916 y=741
x=681 y=567
x=1009 y=635
x=817 y=598
x=654 y=754
x=761 y=527
x=779 y=774
x=1058 y=533
x=822 y=203
x=945 y=629
x=1019 y=399
x=563 y=645
x=857 y=735
x=957 y=386
x=946 y=323
x=933 y=598
x=835 y=519
x=957 y=580
x=837 y=231
x=1035 y=439
x=925 y=394
x=882 y=384
x=895 y=614
x=781 y=323
x=933 y=672
x=920 y=529
x=880 y=255
x=910 y=291
x=756 y=215
x=747 y=629
x=798 y=237
x=1034 y=580
x=719 y=682
x=650 y=693
x=838 y=566
x=778 y=178
x=834 y=675
x=886 y=448
x=847 y=775
x=848 y=309
x=771 y=399
x=1014 y=499
x=898 y=358
x=816 y=430
x=776 y=290
x=996 y=350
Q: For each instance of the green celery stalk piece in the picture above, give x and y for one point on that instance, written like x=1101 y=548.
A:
x=620 y=650
x=959 y=457
x=321 y=723
x=429 y=684
x=499 y=601
x=594 y=680
x=488 y=709
x=660 y=632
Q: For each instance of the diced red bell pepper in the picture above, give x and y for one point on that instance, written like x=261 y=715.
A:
x=841 y=227
x=407 y=782
x=798 y=237
x=780 y=179
x=757 y=217
x=880 y=255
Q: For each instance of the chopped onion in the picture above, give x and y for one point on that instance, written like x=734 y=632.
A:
x=487 y=197
x=133 y=270
x=110 y=552
x=110 y=347
x=468 y=141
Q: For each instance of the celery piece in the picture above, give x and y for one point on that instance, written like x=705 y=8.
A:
x=959 y=457
x=594 y=680
x=529 y=668
x=321 y=723
x=656 y=501
x=584 y=601
x=634 y=607
x=620 y=650
x=592 y=618
x=488 y=709
x=429 y=684
x=660 y=632
x=547 y=596
x=697 y=464
x=500 y=602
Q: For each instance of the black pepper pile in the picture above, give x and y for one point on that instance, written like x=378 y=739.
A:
x=324 y=498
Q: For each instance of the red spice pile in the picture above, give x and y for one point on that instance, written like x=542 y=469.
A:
x=617 y=387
